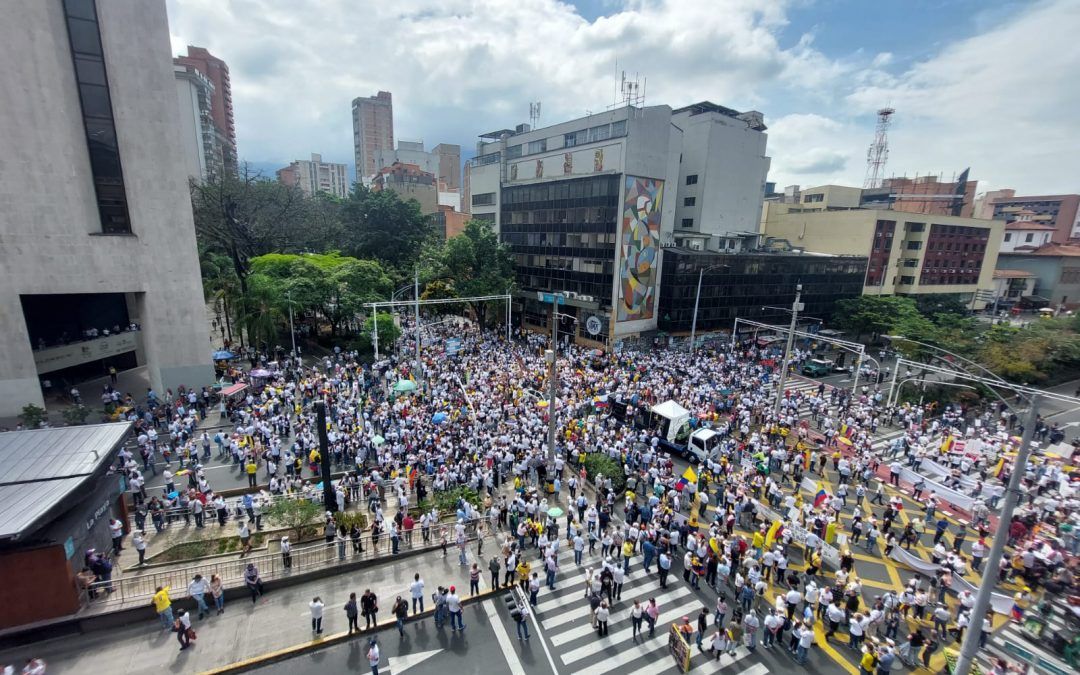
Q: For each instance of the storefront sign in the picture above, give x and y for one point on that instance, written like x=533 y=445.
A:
x=98 y=513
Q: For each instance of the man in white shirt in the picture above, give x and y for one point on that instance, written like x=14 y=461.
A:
x=453 y=606
x=416 y=589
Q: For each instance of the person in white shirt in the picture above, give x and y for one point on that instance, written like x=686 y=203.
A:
x=416 y=589
x=316 y=606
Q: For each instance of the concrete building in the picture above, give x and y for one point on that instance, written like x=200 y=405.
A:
x=199 y=137
x=924 y=194
x=407 y=152
x=1061 y=211
x=221 y=109
x=1025 y=235
x=721 y=172
x=373 y=131
x=448 y=222
x=409 y=182
x=1010 y=286
x=1056 y=268
x=449 y=171
x=908 y=253
x=984 y=203
x=112 y=241
x=315 y=175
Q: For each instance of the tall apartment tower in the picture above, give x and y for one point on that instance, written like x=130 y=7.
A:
x=449 y=156
x=373 y=130
x=221 y=109
x=315 y=175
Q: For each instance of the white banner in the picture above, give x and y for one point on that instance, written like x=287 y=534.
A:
x=1000 y=603
x=957 y=499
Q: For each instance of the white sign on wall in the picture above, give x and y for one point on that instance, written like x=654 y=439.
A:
x=57 y=358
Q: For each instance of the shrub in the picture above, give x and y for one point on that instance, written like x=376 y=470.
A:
x=76 y=415
x=599 y=463
x=32 y=416
x=299 y=515
x=446 y=501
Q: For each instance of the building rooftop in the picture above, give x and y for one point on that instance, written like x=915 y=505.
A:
x=43 y=467
x=1029 y=225
x=1052 y=250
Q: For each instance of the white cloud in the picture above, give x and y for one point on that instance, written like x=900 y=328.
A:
x=1001 y=101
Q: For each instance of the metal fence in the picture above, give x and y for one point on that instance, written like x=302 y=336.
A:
x=141 y=587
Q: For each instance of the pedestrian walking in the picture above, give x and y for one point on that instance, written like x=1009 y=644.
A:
x=651 y=614
x=602 y=614
x=400 y=610
x=495 y=567
x=637 y=614
x=373 y=656
x=369 y=608
x=197 y=589
x=163 y=607
x=474 y=580
x=184 y=632
x=416 y=590
x=352 y=613
x=139 y=542
x=521 y=617
x=316 y=606
x=217 y=591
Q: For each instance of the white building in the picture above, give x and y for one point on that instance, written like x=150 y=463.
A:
x=587 y=205
x=1026 y=235
x=101 y=235
x=198 y=136
x=315 y=175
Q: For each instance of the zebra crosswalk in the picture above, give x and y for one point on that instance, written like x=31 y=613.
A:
x=564 y=618
x=1012 y=644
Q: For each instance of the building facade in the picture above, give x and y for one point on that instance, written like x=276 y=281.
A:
x=315 y=175
x=449 y=172
x=199 y=137
x=587 y=206
x=221 y=108
x=751 y=286
x=924 y=194
x=409 y=182
x=908 y=253
x=1023 y=235
x=1056 y=268
x=100 y=237
x=373 y=131
x=1061 y=211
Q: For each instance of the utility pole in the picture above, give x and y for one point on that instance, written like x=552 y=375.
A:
x=375 y=330
x=970 y=645
x=329 y=496
x=787 y=349
x=549 y=356
x=416 y=314
x=697 y=299
x=292 y=331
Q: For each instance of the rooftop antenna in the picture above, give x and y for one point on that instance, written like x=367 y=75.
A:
x=534 y=114
x=878 y=153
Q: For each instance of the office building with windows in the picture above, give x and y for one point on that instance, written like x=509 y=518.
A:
x=216 y=72
x=315 y=175
x=588 y=206
x=373 y=131
x=752 y=285
x=909 y=253
x=100 y=237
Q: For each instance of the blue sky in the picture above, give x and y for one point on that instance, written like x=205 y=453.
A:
x=975 y=83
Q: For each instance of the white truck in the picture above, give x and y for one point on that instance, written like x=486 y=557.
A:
x=672 y=422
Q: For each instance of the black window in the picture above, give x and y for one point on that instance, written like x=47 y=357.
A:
x=483 y=199
x=93 y=82
x=691 y=179
x=687 y=222
x=689 y=201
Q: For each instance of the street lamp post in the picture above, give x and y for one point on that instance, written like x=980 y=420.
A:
x=970 y=645
x=697 y=299
x=292 y=331
x=416 y=315
x=992 y=375
x=787 y=349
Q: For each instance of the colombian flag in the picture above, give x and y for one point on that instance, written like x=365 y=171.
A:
x=688 y=477
x=947 y=444
x=774 y=531
x=1000 y=467
x=821 y=496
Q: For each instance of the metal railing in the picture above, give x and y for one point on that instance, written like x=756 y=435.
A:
x=141 y=587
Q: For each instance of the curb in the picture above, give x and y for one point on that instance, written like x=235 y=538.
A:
x=336 y=638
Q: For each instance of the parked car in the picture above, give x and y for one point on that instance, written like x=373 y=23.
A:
x=817 y=368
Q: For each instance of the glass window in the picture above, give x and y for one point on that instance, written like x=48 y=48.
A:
x=569 y=140
x=687 y=222
x=483 y=199
x=537 y=146
x=691 y=179
x=513 y=151
x=84 y=37
x=95 y=101
x=689 y=201
x=82 y=9
x=618 y=128
x=90 y=71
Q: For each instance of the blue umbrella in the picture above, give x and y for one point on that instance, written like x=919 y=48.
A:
x=439 y=417
x=173 y=495
x=223 y=355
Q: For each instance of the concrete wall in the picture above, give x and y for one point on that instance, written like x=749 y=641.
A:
x=50 y=240
x=190 y=126
x=729 y=160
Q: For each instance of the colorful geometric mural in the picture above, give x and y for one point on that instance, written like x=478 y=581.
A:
x=640 y=247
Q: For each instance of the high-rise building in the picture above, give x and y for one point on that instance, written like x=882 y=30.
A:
x=199 y=137
x=587 y=205
x=315 y=175
x=373 y=130
x=99 y=265
x=1061 y=211
x=449 y=156
x=217 y=71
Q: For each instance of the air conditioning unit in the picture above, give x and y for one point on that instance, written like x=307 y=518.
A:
x=572 y=295
x=586 y=298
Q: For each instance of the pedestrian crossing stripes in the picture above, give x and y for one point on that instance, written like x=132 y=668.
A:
x=565 y=617
x=1012 y=644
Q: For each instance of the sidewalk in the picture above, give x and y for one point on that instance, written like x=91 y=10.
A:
x=279 y=620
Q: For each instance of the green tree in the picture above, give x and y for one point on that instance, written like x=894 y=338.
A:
x=873 y=314
x=442 y=289
x=382 y=226
x=32 y=416
x=298 y=515
x=476 y=263
x=388 y=332
x=941 y=303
